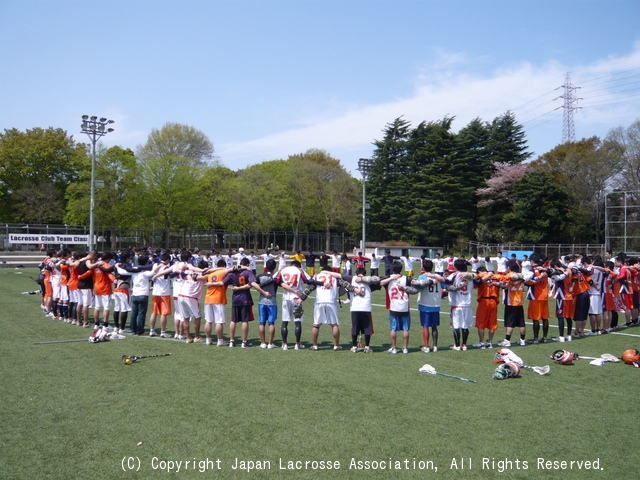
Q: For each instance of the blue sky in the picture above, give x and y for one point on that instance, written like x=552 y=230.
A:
x=267 y=79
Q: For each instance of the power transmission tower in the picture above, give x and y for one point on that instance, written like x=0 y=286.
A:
x=570 y=104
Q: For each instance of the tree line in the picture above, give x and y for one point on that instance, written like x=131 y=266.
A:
x=427 y=185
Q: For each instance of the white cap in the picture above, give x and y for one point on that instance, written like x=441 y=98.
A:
x=241 y=249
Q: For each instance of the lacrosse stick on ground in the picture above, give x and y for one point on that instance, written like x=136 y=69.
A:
x=97 y=336
x=505 y=355
x=564 y=357
x=129 y=359
x=426 y=368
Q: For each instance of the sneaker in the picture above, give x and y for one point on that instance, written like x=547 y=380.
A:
x=464 y=348
x=368 y=350
x=405 y=350
x=270 y=346
x=603 y=332
x=456 y=348
x=488 y=345
x=543 y=340
x=504 y=343
x=96 y=326
x=354 y=349
x=425 y=349
x=263 y=345
x=522 y=342
x=588 y=334
x=336 y=348
x=197 y=340
x=285 y=346
x=189 y=340
x=346 y=301
x=478 y=345
x=152 y=333
x=313 y=348
x=568 y=338
x=207 y=341
x=393 y=351
x=245 y=344
x=231 y=344
x=435 y=349
x=120 y=331
x=536 y=341
x=176 y=336
x=558 y=339
x=298 y=346
x=164 y=335
x=221 y=343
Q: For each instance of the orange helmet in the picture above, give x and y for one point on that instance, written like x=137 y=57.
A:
x=631 y=356
x=563 y=357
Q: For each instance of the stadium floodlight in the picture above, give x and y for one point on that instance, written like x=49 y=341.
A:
x=364 y=166
x=95 y=129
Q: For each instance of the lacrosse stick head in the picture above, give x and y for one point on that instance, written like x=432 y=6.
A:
x=564 y=357
x=542 y=370
x=598 y=362
x=631 y=356
x=129 y=359
x=607 y=357
x=426 y=368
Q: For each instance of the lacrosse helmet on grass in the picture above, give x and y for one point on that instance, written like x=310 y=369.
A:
x=507 y=370
x=564 y=357
x=631 y=356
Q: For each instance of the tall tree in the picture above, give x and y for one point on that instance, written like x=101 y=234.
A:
x=540 y=209
x=44 y=159
x=507 y=141
x=117 y=204
x=177 y=140
x=587 y=169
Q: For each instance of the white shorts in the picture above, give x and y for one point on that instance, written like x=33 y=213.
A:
x=461 y=317
x=325 y=314
x=189 y=307
x=86 y=297
x=287 y=311
x=177 y=310
x=73 y=296
x=121 y=302
x=64 y=294
x=55 y=290
x=102 y=301
x=595 y=304
x=215 y=312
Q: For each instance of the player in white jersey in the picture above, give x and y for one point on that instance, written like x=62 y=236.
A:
x=161 y=298
x=398 y=290
x=325 y=311
x=375 y=265
x=408 y=260
x=265 y=257
x=596 y=289
x=335 y=261
x=429 y=300
x=501 y=263
x=361 y=319
x=439 y=264
x=291 y=279
x=460 y=303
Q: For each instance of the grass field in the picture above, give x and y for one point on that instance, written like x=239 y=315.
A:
x=74 y=410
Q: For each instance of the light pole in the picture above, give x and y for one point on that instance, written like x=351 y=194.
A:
x=95 y=129
x=364 y=166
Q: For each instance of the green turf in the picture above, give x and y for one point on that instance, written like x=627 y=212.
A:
x=76 y=411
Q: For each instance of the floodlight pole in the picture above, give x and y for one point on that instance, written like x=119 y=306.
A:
x=95 y=129
x=364 y=166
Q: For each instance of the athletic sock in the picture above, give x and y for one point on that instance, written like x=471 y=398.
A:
x=614 y=319
x=298 y=331
x=116 y=319
x=284 y=331
x=465 y=335
x=123 y=319
x=545 y=328
x=569 y=325
x=367 y=339
x=456 y=337
x=354 y=340
x=434 y=336
x=425 y=335
x=507 y=338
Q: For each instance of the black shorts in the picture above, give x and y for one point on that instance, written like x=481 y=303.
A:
x=513 y=316
x=361 y=322
x=241 y=314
